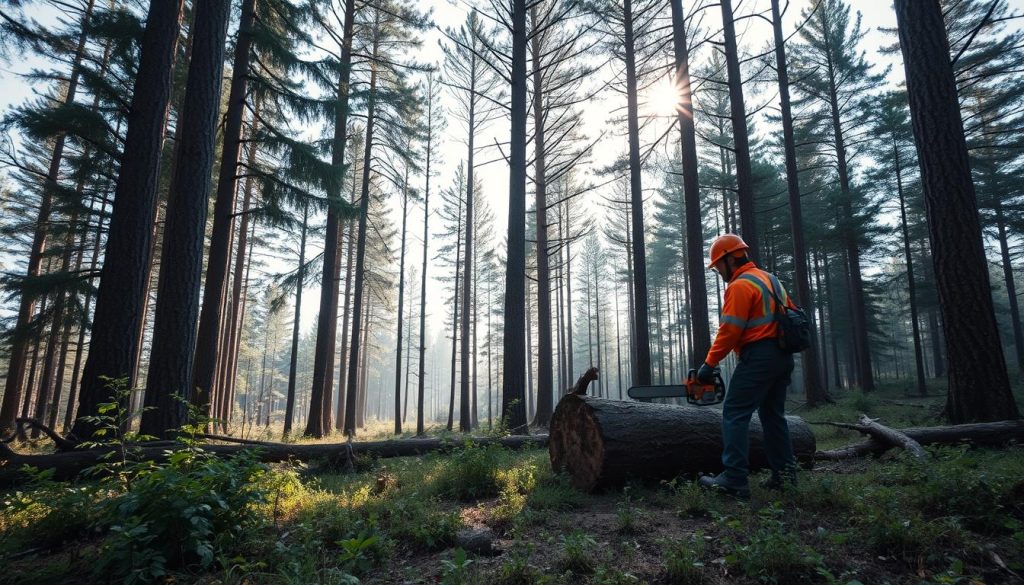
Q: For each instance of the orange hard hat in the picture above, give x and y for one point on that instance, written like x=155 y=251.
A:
x=724 y=245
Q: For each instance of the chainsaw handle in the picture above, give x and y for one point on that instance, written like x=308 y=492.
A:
x=691 y=376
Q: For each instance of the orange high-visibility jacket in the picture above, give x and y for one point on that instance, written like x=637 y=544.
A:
x=748 y=314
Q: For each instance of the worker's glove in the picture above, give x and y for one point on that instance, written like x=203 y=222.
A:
x=706 y=374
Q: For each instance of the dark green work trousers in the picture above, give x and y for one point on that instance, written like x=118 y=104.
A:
x=758 y=385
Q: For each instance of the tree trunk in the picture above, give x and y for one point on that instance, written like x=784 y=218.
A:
x=120 y=295
x=26 y=305
x=169 y=377
x=346 y=318
x=513 y=403
x=979 y=387
x=858 y=310
x=911 y=285
x=603 y=443
x=465 y=419
x=744 y=175
x=421 y=382
x=692 y=227
x=293 y=358
x=569 y=347
x=401 y=308
x=210 y=318
x=455 y=314
x=545 y=403
x=642 y=342
x=327 y=321
x=809 y=359
x=1011 y=286
x=529 y=354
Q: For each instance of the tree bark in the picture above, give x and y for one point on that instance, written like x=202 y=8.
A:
x=809 y=359
x=465 y=418
x=421 y=382
x=339 y=423
x=858 y=310
x=641 y=341
x=327 y=321
x=26 y=304
x=229 y=353
x=979 y=387
x=911 y=285
x=545 y=383
x=602 y=443
x=1011 y=286
x=401 y=308
x=169 y=379
x=741 y=142
x=293 y=358
x=513 y=403
x=119 y=298
x=456 y=297
x=218 y=259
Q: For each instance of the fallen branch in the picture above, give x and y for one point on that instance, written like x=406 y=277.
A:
x=982 y=434
x=892 y=437
x=19 y=431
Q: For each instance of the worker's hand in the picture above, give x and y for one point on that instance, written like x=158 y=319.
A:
x=706 y=374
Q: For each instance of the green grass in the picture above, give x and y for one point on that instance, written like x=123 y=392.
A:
x=395 y=520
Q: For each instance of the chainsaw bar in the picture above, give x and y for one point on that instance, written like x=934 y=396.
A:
x=646 y=393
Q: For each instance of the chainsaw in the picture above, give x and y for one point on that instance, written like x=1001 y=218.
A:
x=695 y=392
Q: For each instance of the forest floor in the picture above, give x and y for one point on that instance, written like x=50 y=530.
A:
x=959 y=518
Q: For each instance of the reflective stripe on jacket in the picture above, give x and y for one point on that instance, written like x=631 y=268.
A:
x=748 y=314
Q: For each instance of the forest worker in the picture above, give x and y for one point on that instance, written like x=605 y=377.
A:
x=760 y=379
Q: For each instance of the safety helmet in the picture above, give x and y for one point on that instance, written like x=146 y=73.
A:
x=724 y=245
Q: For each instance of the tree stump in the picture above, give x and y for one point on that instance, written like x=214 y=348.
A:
x=601 y=442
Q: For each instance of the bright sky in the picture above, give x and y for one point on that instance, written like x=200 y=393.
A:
x=755 y=36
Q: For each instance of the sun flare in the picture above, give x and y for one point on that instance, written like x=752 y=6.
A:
x=663 y=98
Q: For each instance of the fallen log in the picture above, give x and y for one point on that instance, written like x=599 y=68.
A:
x=601 y=442
x=68 y=465
x=992 y=434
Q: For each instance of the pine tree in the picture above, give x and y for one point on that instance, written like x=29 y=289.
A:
x=119 y=299
x=834 y=75
x=975 y=353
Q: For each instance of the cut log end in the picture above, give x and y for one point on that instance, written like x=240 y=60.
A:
x=576 y=448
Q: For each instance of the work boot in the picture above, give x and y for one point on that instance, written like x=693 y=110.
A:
x=723 y=485
x=780 y=480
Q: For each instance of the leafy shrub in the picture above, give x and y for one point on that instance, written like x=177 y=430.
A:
x=684 y=560
x=514 y=486
x=187 y=512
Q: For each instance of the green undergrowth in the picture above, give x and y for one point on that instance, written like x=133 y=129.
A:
x=199 y=519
